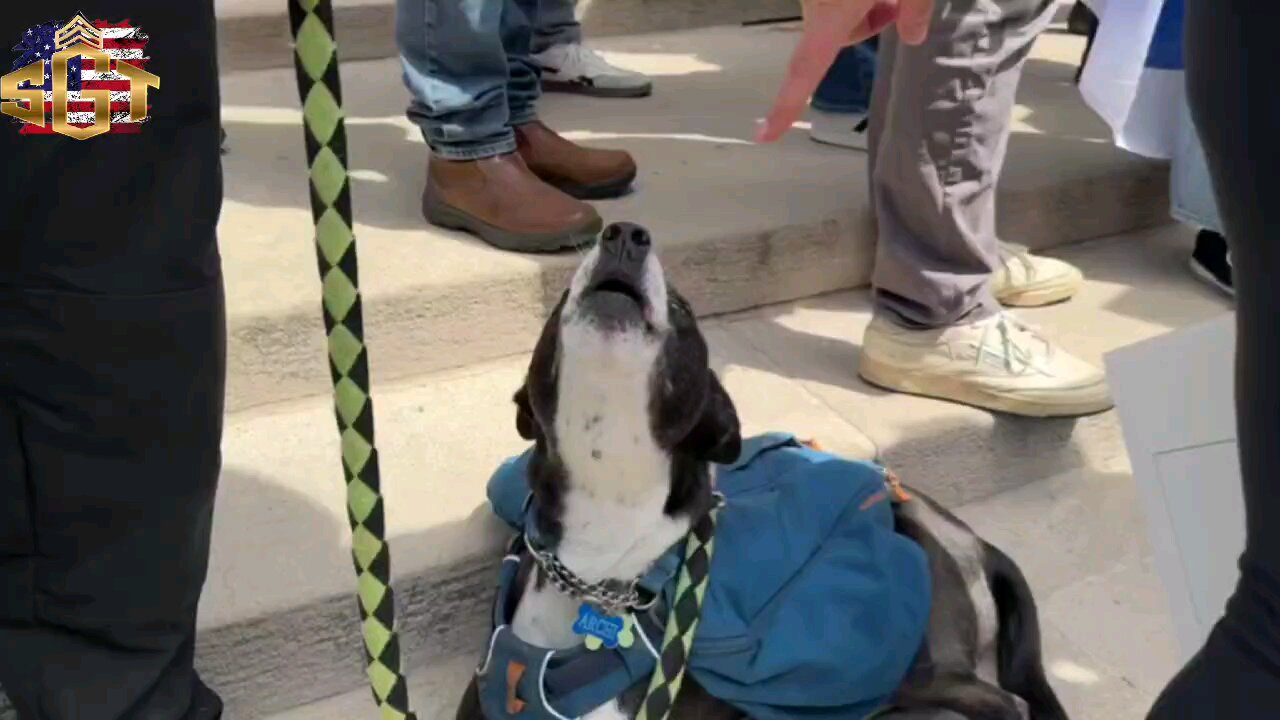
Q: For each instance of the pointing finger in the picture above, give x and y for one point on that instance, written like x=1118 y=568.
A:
x=810 y=60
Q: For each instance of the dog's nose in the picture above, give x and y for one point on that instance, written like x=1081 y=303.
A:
x=626 y=241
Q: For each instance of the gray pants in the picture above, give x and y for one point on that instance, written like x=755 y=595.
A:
x=557 y=25
x=940 y=117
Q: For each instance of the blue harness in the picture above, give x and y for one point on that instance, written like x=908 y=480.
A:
x=816 y=607
x=520 y=680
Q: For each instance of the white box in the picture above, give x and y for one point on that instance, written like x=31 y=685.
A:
x=1175 y=397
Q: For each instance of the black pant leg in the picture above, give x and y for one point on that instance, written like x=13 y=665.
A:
x=118 y=410
x=112 y=367
x=1232 y=55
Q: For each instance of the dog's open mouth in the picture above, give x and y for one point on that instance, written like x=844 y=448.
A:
x=619 y=287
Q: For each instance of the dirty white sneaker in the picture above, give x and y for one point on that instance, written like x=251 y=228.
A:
x=843 y=129
x=1026 y=280
x=999 y=363
x=576 y=68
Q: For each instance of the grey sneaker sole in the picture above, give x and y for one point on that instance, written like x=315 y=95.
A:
x=437 y=212
x=849 y=141
x=584 y=88
x=1201 y=272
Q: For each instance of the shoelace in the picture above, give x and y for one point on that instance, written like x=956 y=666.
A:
x=585 y=60
x=1010 y=252
x=1011 y=351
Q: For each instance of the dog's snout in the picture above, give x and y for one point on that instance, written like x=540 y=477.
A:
x=620 y=283
x=626 y=241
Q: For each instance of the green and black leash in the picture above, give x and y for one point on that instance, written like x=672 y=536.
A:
x=316 y=60
x=682 y=622
x=320 y=88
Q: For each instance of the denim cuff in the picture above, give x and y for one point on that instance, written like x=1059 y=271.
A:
x=569 y=33
x=524 y=117
x=475 y=150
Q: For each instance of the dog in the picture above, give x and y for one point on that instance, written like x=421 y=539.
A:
x=628 y=420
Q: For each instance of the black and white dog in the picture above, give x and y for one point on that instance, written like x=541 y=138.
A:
x=628 y=420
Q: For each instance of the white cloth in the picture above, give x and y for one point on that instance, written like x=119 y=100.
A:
x=1139 y=103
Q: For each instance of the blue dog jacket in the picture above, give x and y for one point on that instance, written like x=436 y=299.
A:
x=816 y=607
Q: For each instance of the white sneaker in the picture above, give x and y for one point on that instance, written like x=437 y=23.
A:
x=999 y=363
x=843 y=129
x=1026 y=280
x=576 y=68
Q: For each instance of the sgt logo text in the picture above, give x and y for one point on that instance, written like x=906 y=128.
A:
x=80 y=79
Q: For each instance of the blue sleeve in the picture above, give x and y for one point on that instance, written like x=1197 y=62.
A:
x=509 y=489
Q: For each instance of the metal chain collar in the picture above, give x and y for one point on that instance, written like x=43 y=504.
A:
x=610 y=596
x=605 y=595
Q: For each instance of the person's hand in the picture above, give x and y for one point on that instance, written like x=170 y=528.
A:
x=830 y=25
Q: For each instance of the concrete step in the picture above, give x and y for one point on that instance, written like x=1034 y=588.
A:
x=254 y=34
x=1108 y=641
x=278 y=622
x=742 y=225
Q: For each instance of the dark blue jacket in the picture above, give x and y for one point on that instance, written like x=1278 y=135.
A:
x=816 y=608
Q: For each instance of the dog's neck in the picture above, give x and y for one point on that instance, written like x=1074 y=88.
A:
x=614 y=519
x=601 y=538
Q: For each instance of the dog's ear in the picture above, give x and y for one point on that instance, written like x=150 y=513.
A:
x=526 y=424
x=717 y=437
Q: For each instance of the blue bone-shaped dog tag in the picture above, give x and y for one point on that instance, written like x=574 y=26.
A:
x=599 y=629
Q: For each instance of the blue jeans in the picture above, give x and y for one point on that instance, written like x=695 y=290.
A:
x=467 y=65
x=556 y=25
x=1190 y=188
x=846 y=88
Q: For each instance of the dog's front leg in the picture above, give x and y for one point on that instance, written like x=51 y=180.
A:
x=469 y=708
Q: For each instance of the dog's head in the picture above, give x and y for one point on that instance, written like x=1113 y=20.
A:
x=620 y=389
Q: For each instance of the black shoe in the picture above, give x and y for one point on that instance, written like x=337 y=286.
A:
x=1081 y=20
x=1211 y=261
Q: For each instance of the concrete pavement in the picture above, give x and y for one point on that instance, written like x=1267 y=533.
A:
x=254 y=34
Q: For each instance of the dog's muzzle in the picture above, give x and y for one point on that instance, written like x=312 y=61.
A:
x=614 y=294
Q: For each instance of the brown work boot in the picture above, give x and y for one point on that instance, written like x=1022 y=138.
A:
x=585 y=173
x=499 y=200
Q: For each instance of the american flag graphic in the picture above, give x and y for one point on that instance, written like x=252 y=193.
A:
x=121 y=41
